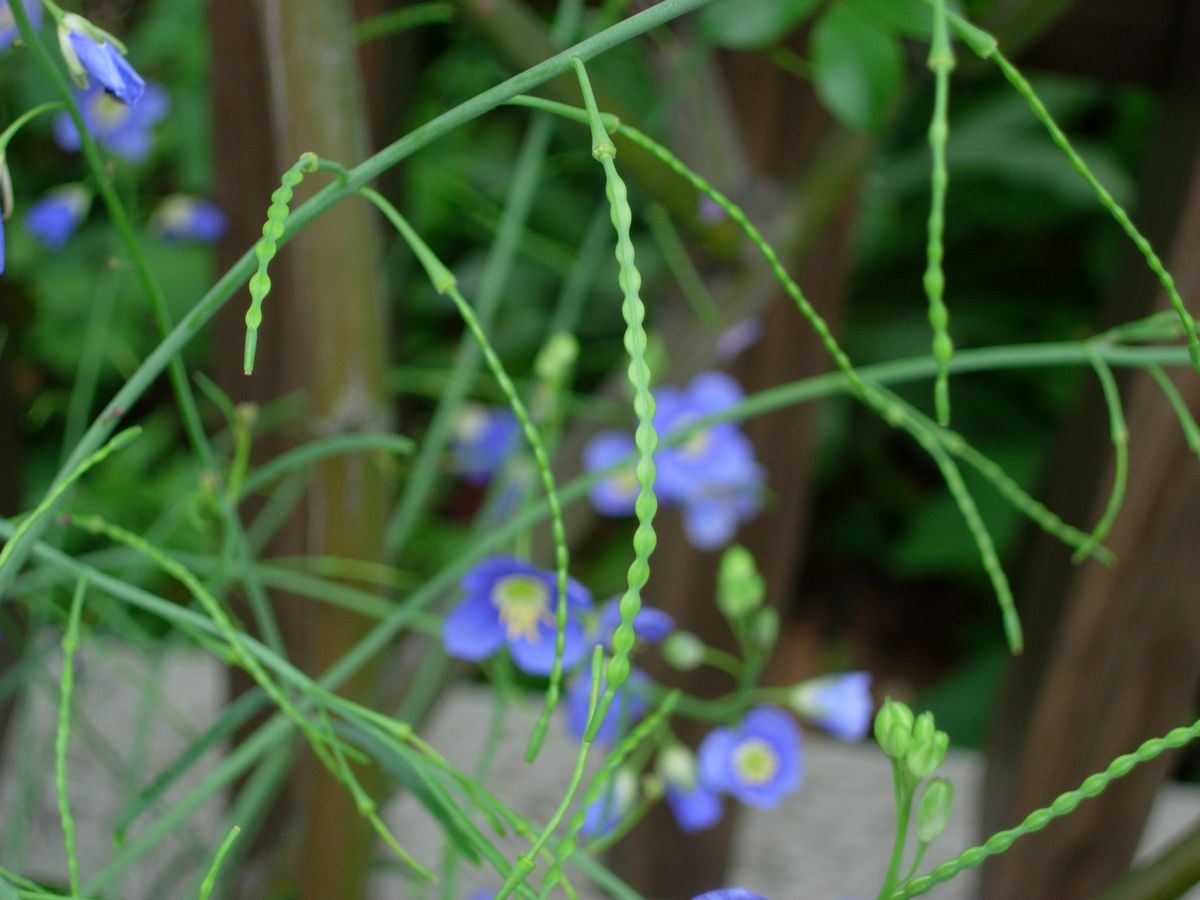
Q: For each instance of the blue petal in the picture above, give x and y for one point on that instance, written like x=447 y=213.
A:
x=105 y=63
x=844 y=705
x=536 y=657
x=482 y=577
x=694 y=810
x=714 y=760
x=780 y=732
x=650 y=625
x=65 y=134
x=730 y=894
x=713 y=392
x=473 y=630
x=710 y=522
x=613 y=496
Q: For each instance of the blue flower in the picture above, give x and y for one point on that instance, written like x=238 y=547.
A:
x=483 y=439
x=93 y=54
x=733 y=341
x=121 y=129
x=606 y=812
x=757 y=762
x=840 y=704
x=736 y=893
x=681 y=468
x=650 y=625
x=511 y=602
x=694 y=806
x=8 y=27
x=615 y=495
x=183 y=218
x=628 y=706
x=54 y=218
x=483 y=894
x=724 y=496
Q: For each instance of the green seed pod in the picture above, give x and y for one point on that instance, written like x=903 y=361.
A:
x=934 y=811
x=740 y=588
x=893 y=728
x=683 y=651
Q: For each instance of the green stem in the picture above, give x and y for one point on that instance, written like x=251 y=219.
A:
x=904 y=798
x=67 y=683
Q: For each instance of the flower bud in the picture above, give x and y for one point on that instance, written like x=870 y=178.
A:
x=933 y=813
x=676 y=765
x=740 y=588
x=765 y=628
x=926 y=753
x=683 y=650
x=893 y=728
x=557 y=356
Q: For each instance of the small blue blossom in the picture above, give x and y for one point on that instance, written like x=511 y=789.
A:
x=123 y=130
x=694 y=806
x=840 y=704
x=758 y=762
x=483 y=439
x=183 y=218
x=615 y=495
x=650 y=625
x=91 y=59
x=713 y=475
x=736 y=893
x=8 y=27
x=508 y=601
x=738 y=338
x=606 y=812
x=628 y=706
x=482 y=894
x=54 y=218
x=710 y=212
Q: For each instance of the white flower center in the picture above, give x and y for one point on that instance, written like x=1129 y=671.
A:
x=524 y=603
x=755 y=761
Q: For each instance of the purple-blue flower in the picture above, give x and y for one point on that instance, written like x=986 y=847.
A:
x=758 y=762
x=508 y=601
x=183 y=218
x=123 y=130
x=736 y=893
x=650 y=625
x=615 y=495
x=694 y=806
x=8 y=27
x=54 y=218
x=483 y=439
x=628 y=706
x=739 y=337
x=606 y=811
x=840 y=704
x=684 y=466
x=91 y=59
x=483 y=894
x=726 y=495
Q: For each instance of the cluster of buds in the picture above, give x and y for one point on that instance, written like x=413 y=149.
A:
x=917 y=748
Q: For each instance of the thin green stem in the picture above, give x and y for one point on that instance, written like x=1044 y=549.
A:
x=70 y=645
x=1191 y=431
x=1119 y=434
x=210 y=879
x=904 y=797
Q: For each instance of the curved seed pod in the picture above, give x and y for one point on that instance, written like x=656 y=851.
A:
x=268 y=245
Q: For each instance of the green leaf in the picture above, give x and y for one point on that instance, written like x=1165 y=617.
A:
x=748 y=24
x=910 y=18
x=857 y=67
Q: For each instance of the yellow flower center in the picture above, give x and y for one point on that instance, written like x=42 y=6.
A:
x=755 y=761
x=471 y=423
x=625 y=482
x=524 y=603
x=109 y=111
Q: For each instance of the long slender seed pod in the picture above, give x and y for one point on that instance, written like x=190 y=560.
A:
x=444 y=283
x=941 y=61
x=1092 y=786
x=268 y=245
x=645 y=437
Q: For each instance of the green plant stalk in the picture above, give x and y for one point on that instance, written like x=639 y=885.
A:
x=986 y=47
x=941 y=61
x=1092 y=786
x=1191 y=431
x=525 y=865
x=70 y=645
x=395 y=21
x=493 y=280
x=675 y=254
x=316 y=450
x=1119 y=434
x=91 y=358
x=191 y=324
x=210 y=880
x=633 y=310
x=904 y=799
x=444 y=283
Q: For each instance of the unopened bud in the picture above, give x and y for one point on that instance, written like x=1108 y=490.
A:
x=740 y=588
x=765 y=628
x=893 y=728
x=683 y=650
x=934 y=811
